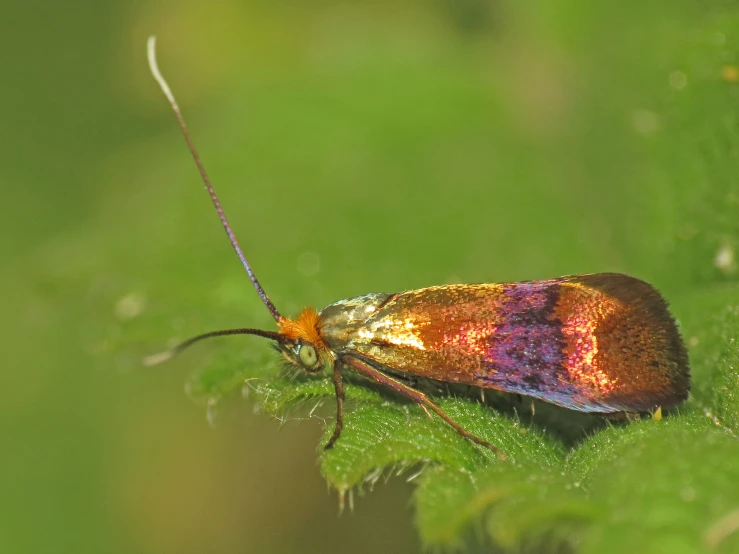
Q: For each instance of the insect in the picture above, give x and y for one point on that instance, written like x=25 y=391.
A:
x=602 y=343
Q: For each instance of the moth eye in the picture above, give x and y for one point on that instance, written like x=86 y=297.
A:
x=308 y=356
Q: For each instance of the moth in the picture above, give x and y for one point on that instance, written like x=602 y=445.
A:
x=602 y=343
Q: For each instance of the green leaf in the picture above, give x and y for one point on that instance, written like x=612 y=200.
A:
x=664 y=483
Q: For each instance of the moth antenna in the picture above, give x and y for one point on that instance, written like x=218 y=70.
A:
x=161 y=357
x=151 y=51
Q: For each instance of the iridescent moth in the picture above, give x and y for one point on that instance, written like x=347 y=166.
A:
x=603 y=343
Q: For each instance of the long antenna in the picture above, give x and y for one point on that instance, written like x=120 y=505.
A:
x=162 y=357
x=151 y=51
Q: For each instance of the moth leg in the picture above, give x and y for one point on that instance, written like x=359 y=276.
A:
x=379 y=377
x=339 y=386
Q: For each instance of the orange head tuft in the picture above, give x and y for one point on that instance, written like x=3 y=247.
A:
x=305 y=327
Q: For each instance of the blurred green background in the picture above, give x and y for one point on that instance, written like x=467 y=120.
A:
x=357 y=147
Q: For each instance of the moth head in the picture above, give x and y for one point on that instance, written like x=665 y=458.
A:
x=303 y=345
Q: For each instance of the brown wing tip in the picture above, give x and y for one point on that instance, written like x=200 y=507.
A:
x=648 y=301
